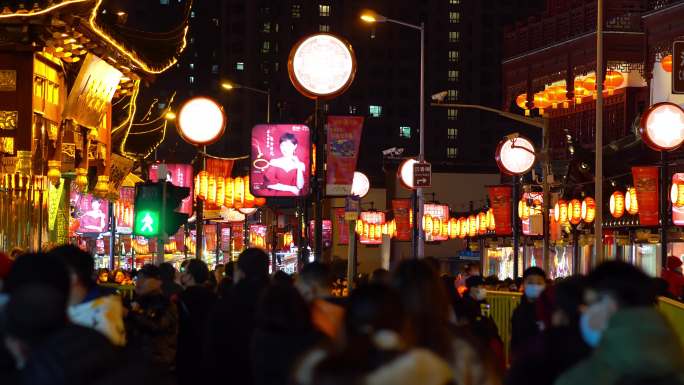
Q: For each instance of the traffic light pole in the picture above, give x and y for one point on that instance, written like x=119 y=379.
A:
x=162 y=237
x=199 y=212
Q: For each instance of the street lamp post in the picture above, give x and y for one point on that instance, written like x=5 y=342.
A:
x=230 y=86
x=542 y=123
x=373 y=17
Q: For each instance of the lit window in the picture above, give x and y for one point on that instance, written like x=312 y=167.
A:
x=192 y=40
x=296 y=11
x=266 y=47
x=324 y=28
x=192 y=14
x=453 y=75
x=452 y=152
x=452 y=113
x=276 y=66
x=452 y=95
x=352 y=109
x=452 y=133
x=453 y=56
x=454 y=17
x=454 y=36
x=455 y=2
x=324 y=10
x=191 y=79
x=215 y=21
x=192 y=66
x=267 y=27
x=240 y=66
x=405 y=132
x=164 y=2
x=375 y=111
x=214 y=69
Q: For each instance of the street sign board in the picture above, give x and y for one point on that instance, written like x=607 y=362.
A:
x=678 y=67
x=422 y=174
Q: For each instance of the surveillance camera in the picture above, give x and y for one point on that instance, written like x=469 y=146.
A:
x=439 y=97
x=389 y=151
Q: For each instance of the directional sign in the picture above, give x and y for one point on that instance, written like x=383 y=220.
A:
x=422 y=174
x=678 y=67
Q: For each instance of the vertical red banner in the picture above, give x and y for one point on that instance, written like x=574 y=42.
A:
x=500 y=198
x=677 y=209
x=402 y=218
x=646 y=184
x=341 y=226
x=344 y=138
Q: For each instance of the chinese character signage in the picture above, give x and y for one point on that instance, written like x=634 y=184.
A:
x=281 y=156
x=327 y=232
x=341 y=226
x=344 y=137
x=678 y=67
x=439 y=214
x=402 y=218
x=646 y=184
x=500 y=198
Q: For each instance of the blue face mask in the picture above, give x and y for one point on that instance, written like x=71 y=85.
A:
x=590 y=336
x=533 y=291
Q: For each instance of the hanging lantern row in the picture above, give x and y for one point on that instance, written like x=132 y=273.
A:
x=631 y=203
x=228 y=192
x=575 y=211
x=525 y=210
x=588 y=210
x=555 y=95
x=617 y=204
x=470 y=226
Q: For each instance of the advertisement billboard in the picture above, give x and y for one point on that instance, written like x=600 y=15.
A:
x=180 y=175
x=90 y=212
x=439 y=215
x=281 y=156
x=327 y=232
x=344 y=138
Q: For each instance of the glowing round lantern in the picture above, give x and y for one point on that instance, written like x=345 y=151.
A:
x=588 y=209
x=445 y=229
x=454 y=228
x=677 y=194
x=406 y=173
x=436 y=226
x=589 y=85
x=239 y=192
x=483 y=224
x=521 y=101
x=249 y=198
x=617 y=204
x=220 y=191
x=228 y=188
x=360 y=185
x=427 y=224
x=666 y=63
x=201 y=121
x=523 y=209
x=491 y=223
x=662 y=126
x=203 y=184
x=575 y=211
x=472 y=226
x=541 y=101
x=614 y=79
x=560 y=211
x=515 y=155
x=359 y=226
x=579 y=90
x=631 y=203
x=556 y=95
x=465 y=227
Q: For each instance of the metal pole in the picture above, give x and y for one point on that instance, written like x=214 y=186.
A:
x=318 y=205
x=268 y=106
x=245 y=236
x=516 y=229
x=664 y=218
x=546 y=174
x=416 y=230
x=418 y=222
x=199 y=212
x=351 y=255
x=162 y=236
x=218 y=242
x=112 y=235
x=598 y=220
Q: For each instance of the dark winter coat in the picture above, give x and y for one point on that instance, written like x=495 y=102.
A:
x=524 y=325
x=153 y=329
x=274 y=354
x=194 y=306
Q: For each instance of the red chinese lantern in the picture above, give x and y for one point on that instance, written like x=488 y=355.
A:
x=521 y=101
x=454 y=228
x=473 y=225
x=556 y=95
x=677 y=194
x=464 y=226
x=617 y=204
x=523 y=209
x=249 y=198
x=589 y=84
x=560 y=211
x=666 y=63
x=239 y=192
x=588 y=209
x=482 y=228
x=220 y=191
x=579 y=90
x=436 y=226
x=427 y=224
x=614 y=79
x=631 y=203
x=541 y=101
x=492 y=222
x=575 y=209
x=229 y=191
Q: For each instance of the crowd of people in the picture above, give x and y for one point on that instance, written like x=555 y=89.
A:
x=240 y=325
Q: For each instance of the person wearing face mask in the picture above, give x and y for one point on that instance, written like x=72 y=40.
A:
x=632 y=341
x=524 y=322
x=673 y=276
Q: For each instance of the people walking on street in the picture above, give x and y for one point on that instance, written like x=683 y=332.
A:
x=674 y=277
x=194 y=305
x=525 y=324
x=632 y=341
x=152 y=321
x=232 y=321
x=315 y=284
x=90 y=305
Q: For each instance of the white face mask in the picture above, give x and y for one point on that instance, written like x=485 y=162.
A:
x=479 y=294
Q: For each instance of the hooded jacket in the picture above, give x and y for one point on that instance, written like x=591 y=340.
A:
x=103 y=312
x=638 y=345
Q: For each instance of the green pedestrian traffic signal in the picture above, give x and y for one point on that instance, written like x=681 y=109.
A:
x=146 y=223
x=155 y=209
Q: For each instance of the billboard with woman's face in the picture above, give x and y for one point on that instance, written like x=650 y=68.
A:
x=280 y=160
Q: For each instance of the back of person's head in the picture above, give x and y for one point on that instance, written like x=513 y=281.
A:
x=568 y=297
x=316 y=273
x=35 y=311
x=381 y=276
x=624 y=282
x=281 y=277
x=534 y=270
x=78 y=261
x=198 y=270
x=282 y=309
x=253 y=263
x=150 y=271
x=425 y=304
x=372 y=308
x=167 y=272
x=474 y=281
x=32 y=268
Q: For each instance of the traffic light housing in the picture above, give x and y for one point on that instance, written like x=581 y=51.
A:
x=155 y=209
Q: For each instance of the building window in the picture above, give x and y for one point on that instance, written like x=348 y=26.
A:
x=164 y=2
x=276 y=66
x=405 y=132
x=191 y=79
x=324 y=28
x=214 y=69
x=296 y=11
x=454 y=36
x=240 y=66
x=215 y=21
x=192 y=40
x=192 y=66
x=452 y=152
x=375 y=111
x=452 y=133
x=192 y=14
x=452 y=113
x=453 y=75
x=455 y=2
x=452 y=95
x=266 y=47
x=323 y=10
x=453 y=56
x=267 y=27
x=352 y=109
x=454 y=17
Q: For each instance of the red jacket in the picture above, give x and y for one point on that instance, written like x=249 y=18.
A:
x=675 y=282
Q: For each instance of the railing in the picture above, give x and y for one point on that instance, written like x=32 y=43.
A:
x=503 y=303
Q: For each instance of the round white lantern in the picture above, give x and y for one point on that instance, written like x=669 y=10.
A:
x=515 y=155
x=360 y=185
x=662 y=126
x=201 y=121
